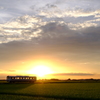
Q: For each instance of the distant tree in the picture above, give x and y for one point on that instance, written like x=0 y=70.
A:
x=54 y=79
x=68 y=79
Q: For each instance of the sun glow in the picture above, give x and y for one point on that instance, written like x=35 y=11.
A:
x=40 y=70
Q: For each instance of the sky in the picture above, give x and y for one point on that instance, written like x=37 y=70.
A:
x=63 y=35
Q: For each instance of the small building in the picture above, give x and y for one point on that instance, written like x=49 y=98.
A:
x=12 y=79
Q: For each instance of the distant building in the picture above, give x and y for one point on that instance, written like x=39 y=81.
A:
x=12 y=79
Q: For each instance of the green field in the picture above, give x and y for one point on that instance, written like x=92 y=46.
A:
x=50 y=91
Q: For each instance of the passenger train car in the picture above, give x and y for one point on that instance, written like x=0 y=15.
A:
x=12 y=79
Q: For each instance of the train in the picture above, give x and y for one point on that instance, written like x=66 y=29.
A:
x=12 y=79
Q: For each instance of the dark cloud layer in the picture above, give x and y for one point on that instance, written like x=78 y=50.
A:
x=56 y=39
x=74 y=74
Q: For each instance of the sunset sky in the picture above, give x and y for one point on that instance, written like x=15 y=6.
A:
x=61 y=35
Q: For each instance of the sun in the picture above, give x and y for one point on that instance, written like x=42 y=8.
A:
x=40 y=70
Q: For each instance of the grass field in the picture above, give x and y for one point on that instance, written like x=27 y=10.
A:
x=50 y=91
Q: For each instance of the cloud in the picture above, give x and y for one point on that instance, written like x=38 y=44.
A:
x=55 y=40
x=48 y=19
x=74 y=74
x=22 y=28
x=63 y=34
x=80 y=26
x=1 y=7
x=27 y=27
x=69 y=12
x=56 y=31
x=53 y=8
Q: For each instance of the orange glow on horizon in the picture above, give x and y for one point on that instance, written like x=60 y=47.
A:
x=44 y=67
